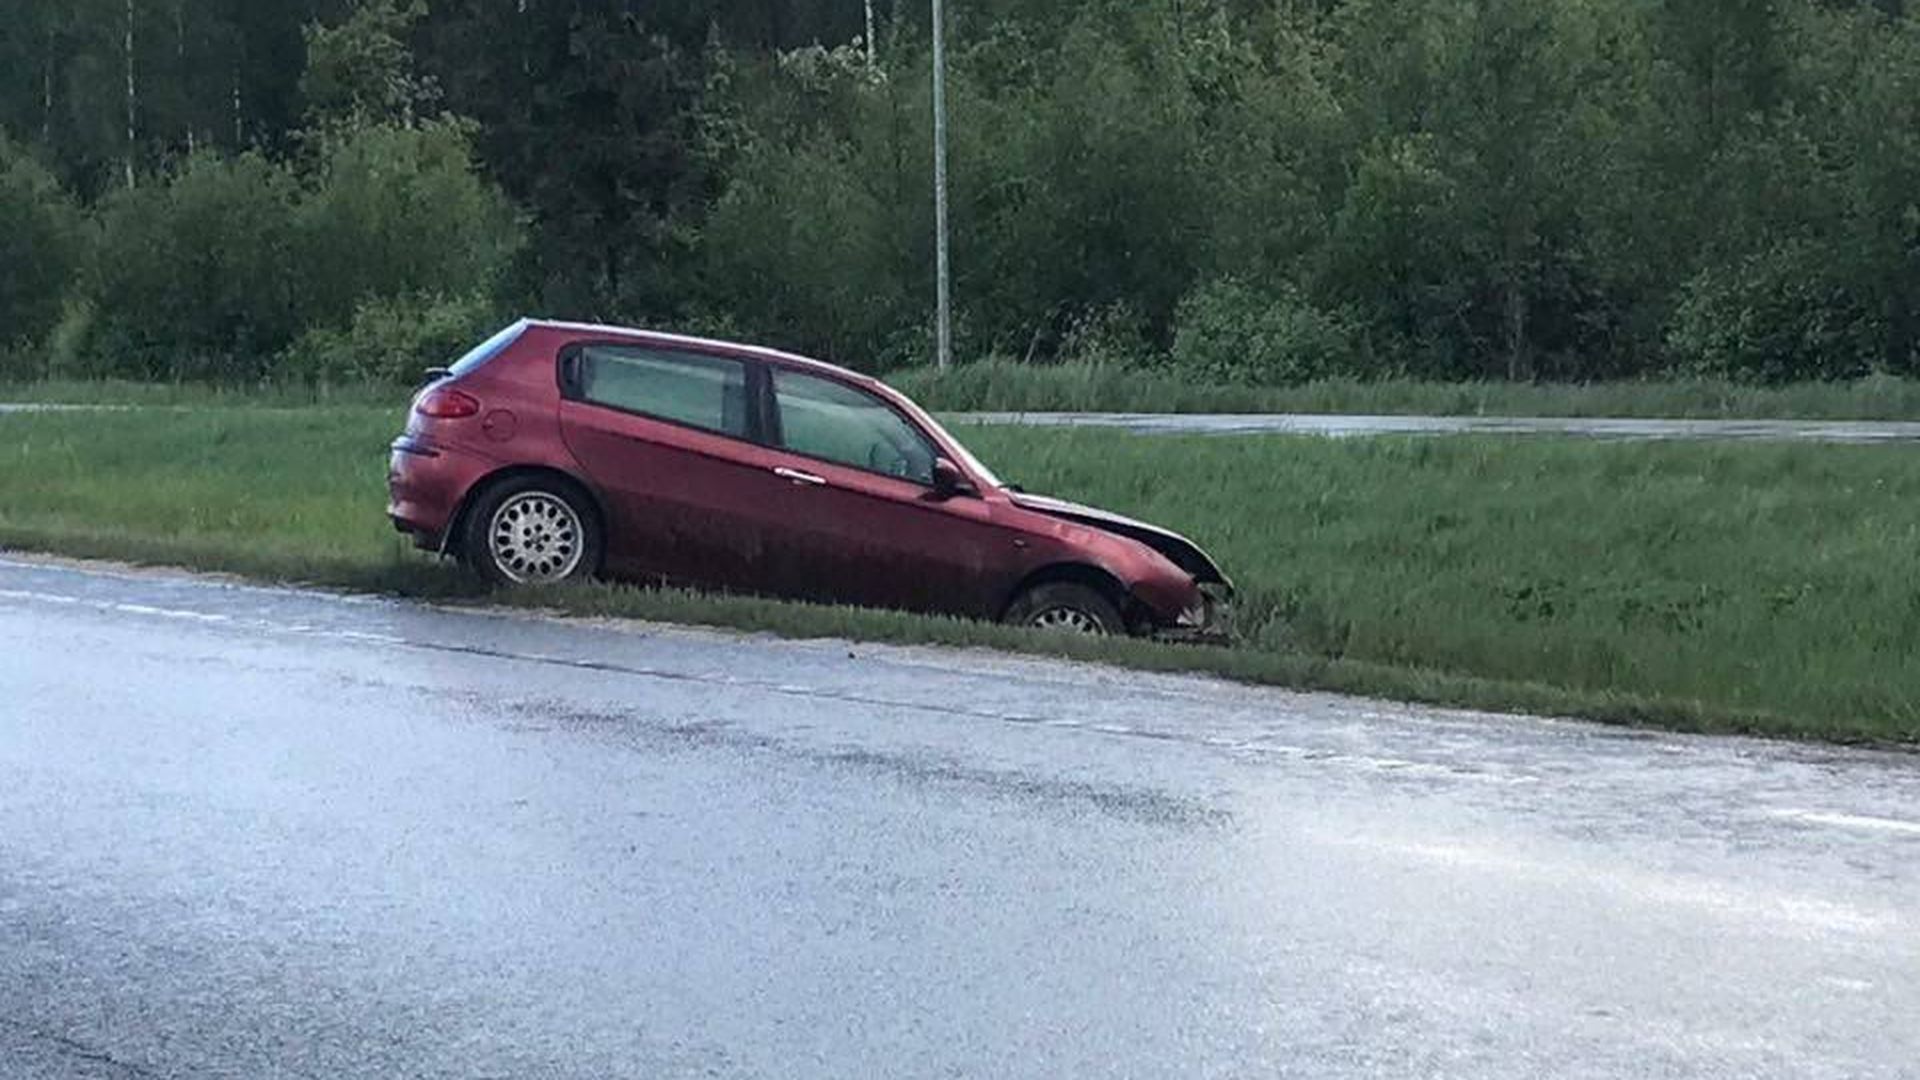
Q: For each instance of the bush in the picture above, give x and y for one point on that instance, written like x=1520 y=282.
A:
x=1114 y=334
x=397 y=211
x=392 y=340
x=1227 y=331
x=1078 y=185
x=64 y=354
x=195 y=275
x=802 y=252
x=216 y=271
x=40 y=252
x=1774 y=317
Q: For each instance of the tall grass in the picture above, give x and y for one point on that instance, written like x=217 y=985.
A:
x=1753 y=577
x=198 y=394
x=1749 y=587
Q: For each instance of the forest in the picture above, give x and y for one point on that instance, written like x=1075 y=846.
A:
x=1258 y=192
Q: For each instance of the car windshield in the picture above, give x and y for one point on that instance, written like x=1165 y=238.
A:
x=968 y=462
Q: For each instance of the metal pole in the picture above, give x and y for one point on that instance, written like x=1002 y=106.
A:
x=945 y=269
x=132 y=98
x=873 y=56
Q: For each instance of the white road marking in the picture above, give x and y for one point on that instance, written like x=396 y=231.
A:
x=1849 y=984
x=170 y=613
x=47 y=598
x=1850 y=821
x=1732 y=902
x=366 y=635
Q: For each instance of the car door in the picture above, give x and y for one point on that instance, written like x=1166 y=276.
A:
x=670 y=439
x=860 y=521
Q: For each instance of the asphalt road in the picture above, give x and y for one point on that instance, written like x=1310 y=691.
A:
x=258 y=833
x=1813 y=431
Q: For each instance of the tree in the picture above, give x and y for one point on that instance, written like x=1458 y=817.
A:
x=1815 y=266
x=361 y=71
x=1729 y=58
x=1450 y=188
x=40 y=248
x=195 y=274
x=391 y=211
x=588 y=119
x=1464 y=210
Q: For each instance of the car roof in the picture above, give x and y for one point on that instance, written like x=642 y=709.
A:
x=658 y=337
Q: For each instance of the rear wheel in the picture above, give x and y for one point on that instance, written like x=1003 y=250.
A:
x=1069 y=608
x=532 y=530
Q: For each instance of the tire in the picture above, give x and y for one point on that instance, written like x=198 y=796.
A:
x=532 y=530
x=1067 y=607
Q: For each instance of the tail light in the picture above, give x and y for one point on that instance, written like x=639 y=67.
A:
x=446 y=403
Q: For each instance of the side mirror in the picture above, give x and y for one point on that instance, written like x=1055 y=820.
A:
x=949 y=481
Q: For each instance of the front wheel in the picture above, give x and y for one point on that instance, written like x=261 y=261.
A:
x=1068 y=608
x=532 y=531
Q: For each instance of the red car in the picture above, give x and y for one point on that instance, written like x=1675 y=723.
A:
x=555 y=452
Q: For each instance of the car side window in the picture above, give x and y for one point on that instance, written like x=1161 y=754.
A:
x=707 y=392
x=829 y=420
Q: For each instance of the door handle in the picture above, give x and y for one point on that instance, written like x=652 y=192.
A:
x=806 y=479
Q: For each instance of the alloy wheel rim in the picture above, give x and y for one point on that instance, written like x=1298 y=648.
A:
x=1068 y=619
x=535 y=539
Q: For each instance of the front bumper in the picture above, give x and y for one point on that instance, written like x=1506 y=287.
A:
x=1207 y=621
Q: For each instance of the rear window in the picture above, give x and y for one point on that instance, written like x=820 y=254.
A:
x=487 y=350
x=706 y=392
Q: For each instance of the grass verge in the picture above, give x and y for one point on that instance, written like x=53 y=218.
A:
x=1763 y=589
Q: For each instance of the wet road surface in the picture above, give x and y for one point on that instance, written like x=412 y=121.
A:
x=250 y=832
x=1813 y=431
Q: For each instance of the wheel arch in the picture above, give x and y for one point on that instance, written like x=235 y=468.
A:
x=1094 y=577
x=456 y=528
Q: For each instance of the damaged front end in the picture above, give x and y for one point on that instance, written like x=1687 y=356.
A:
x=1208 y=618
x=1208 y=621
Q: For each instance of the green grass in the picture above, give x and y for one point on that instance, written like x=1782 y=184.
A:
x=1007 y=387
x=157 y=394
x=1769 y=589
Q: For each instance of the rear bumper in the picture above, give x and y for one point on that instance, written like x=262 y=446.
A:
x=425 y=487
x=423 y=537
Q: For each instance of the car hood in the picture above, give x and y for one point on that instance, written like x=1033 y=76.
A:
x=1178 y=550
